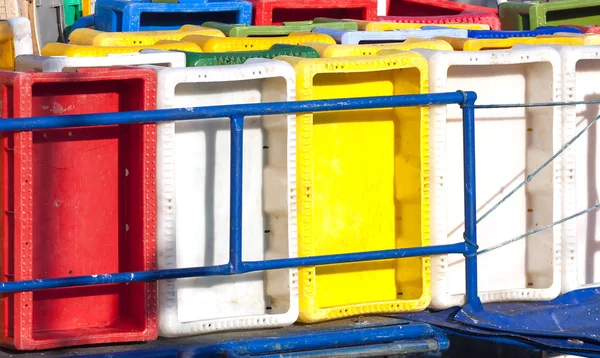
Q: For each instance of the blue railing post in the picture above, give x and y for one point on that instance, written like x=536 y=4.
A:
x=235 y=199
x=470 y=235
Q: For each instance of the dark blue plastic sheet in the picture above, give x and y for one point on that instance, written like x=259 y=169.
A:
x=567 y=324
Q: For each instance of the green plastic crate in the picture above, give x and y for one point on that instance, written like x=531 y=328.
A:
x=239 y=30
x=197 y=59
x=531 y=15
x=72 y=10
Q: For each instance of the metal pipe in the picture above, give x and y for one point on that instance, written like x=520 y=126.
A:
x=255 y=109
x=224 y=270
x=249 y=266
x=470 y=201
x=235 y=193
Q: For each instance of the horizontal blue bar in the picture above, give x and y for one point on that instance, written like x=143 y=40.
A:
x=222 y=270
x=303 y=342
x=257 y=109
x=249 y=266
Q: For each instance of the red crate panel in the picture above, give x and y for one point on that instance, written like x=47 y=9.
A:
x=275 y=12
x=78 y=201
x=466 y=17
x=593 y=29
x=432 y=8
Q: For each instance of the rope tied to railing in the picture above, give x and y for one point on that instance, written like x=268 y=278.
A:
x=530 y=177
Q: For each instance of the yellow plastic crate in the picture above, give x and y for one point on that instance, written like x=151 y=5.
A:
x=389 y=26
x=87 y=7
x=327 y=50
x=460 y=44
x=9 y=46
x=60 y=49
x=362 y=185
x=239 y=44
x=138 y=38
x=588 y=39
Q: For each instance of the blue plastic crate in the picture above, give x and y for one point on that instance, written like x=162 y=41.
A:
x=501 y=34
x=132 y=15
x=351 y=37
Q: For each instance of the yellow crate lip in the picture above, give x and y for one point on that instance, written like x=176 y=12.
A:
x=306 y=69
x=327 y=50
x=6 y=32
x=461 y=44
x=100 y=38
x=240 y=44
x=365 y=25
x=588 y=39
x=60 y=49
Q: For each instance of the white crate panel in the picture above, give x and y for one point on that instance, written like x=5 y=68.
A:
x=509 y=143
x=193 y=194
x=71 y=64
x=21 y=29
x=581 y=246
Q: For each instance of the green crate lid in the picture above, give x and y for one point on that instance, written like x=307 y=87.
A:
x=197 y=59
x=239 y=30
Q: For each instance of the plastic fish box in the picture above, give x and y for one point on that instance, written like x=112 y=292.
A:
x=530 y=15
x=431 y=8
x=88 y=7
x=507 y=43
x=47 y=22
x=194 y=59
x=580 y=73
x=70 y=64
x=287 y=28
x=138 y=38
x=502 y=34
x=193 y=187
x=468 y=17
x=327 y=50
x=58 y=49
x=137 y=15
x=364 y=25
x=389 y=190
x=353 y=37
x=15 y=40
x=238 y=44
x=510 y=144
x=72 y=11
x=89 y=207
x=277 y=12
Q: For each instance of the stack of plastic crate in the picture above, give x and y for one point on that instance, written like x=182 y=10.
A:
x=89 y=201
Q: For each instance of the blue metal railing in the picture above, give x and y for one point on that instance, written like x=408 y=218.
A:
x=236 y=113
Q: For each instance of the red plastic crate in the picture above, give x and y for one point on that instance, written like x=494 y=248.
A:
x=78 y=201
x=275 y=12
x=432 y=8
x=593 y=29
x=465 y=17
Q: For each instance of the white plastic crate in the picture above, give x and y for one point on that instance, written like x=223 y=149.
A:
x=18 y=32
x=353 y=37
x=193 y=199
x=581 y=240
x=69 y=64
x=510 y=143
x=10 y=9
